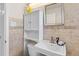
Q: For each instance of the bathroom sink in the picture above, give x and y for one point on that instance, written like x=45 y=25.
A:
x=50 y=49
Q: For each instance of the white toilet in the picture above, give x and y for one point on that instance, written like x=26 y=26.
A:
x=31 y=50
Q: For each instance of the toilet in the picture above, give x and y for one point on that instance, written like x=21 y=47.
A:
x=31 y=50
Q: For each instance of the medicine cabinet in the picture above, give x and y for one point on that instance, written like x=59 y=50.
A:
x=54 y=14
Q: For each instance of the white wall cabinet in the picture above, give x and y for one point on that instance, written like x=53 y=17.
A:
x=54 y=14
x=33 y=25
x=31 y=21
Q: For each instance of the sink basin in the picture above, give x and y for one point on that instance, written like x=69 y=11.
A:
x=50 y=49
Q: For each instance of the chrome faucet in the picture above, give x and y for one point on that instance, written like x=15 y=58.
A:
x=51 y=40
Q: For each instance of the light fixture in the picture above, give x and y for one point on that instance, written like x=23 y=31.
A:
x=28 y=8
x=31 y=6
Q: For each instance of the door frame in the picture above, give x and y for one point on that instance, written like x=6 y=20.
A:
x=6 y=31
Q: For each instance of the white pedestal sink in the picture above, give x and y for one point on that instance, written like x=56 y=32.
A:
x=50 y=49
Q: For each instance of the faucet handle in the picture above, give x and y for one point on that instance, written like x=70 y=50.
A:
x=51 y=39
x=60 y=42
x=57 y=40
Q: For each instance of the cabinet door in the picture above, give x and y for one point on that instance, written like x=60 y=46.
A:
x=35 y=20
x=27 y=22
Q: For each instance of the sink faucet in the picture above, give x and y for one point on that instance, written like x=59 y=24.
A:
x=55 y=41
x=59 y=42
x=52 y=40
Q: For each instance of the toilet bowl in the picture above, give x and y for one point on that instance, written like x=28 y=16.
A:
x=32 y=51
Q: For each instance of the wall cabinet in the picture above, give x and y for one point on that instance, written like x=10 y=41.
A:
x=33 y=25
x=54 y=14
x=31 y=21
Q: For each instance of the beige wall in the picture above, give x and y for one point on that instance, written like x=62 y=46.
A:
x=69 y=32
x=15 y=10
x=16 y=42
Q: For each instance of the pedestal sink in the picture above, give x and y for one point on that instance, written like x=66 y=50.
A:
x=50 y=49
